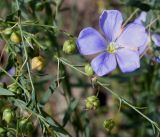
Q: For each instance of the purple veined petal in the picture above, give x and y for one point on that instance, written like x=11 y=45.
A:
x=144 y=46
x=104 y=64
x=128 y=60
x=110 y=23
x=156 y=39
x=90 y=42
x=134 y=35
x=142 y=49
x=141 y=18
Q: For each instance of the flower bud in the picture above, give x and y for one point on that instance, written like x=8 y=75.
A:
x=92 y=102
x=109 y=124
x=69 y=46
x=2 y=132
x=7 y=31
x=37 y=63
x=88 y=70
x=25 y=125
x=15 y=37
x=8 y=115
x=14 y=88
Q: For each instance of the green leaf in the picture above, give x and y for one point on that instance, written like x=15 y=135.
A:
x=59 y=131
x=55 y=126
x=5 y=92
x=71 y=108
x=86 y=131
x=48 y=93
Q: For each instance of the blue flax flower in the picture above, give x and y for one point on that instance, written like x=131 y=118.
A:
x=156 y=39
x=120 y=45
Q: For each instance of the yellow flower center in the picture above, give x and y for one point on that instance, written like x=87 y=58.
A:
x=111 y=48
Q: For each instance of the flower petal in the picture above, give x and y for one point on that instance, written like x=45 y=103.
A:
x=141 y=18
x=156 y=39
x=142 y=49
x=144 y=46
x=110 y=23
x=104 y=63
x=134 y=35
x=90 y=42
x=128 y=60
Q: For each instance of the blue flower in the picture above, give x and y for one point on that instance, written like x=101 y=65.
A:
x=120 y=45
x=156 y=39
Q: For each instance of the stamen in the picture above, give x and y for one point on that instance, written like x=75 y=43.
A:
x=111 y=47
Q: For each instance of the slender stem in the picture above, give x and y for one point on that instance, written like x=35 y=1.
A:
x=46 y=26
x=26 y=91
x=114 y=94
x=152 y=22
x=26 y=58
x=130 y=17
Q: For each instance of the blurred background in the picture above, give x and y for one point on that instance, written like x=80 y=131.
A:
x=67 y=103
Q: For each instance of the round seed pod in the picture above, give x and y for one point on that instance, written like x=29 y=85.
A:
x=92 y=102
x=88 y=70
x=2 y=132
x=22 y=124
x=14 y=88
x=7 y=31
x=38 y=63
x=109 y=124
x=15 y=37
x=26 y=126
x=8 y=115
x=69 y=46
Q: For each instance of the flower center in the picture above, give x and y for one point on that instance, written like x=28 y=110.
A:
x=111 y=48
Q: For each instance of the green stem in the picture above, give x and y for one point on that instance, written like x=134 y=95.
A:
x=26 y=91
x=26 y=57
x=114 y=94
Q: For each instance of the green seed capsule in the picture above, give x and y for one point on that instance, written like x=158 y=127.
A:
x=92 y=102
x=88 y=70
x=96 y=104
x=69 y=46
x=89 y=105
x=26 y=126
x=22 y=122
x=15 y=88
x=8 y=115
x=92 y=99
x=2 y=132
x=15 y=37
x=38 y=63
x=7 y=31
x=109 y=124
